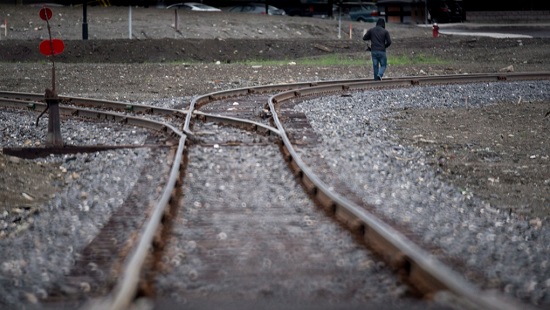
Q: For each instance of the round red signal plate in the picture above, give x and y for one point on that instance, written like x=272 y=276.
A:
x=45 y=13
x=54 y=48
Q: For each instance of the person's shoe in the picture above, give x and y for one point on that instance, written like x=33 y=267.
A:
x=377 y=78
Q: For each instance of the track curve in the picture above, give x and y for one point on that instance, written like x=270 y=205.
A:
x=428 y=275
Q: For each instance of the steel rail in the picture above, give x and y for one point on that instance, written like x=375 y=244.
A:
x=95 y=115
x=199 y=101
x=125 y=289
x=423 y=270
x=98 y=103
x=417 y=266
x=420 y=267
x=237 y=122
x=352 y=84
x=123 y=293
x=355 y=85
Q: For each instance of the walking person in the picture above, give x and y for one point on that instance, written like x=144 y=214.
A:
x=380 y=40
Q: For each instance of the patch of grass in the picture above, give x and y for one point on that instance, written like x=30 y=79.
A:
x=338 y=60
x=327 y=60
x=351 y=60
x=334 y=60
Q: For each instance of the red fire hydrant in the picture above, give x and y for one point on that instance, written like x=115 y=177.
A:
x=435 y=30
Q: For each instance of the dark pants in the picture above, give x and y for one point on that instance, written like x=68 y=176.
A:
x=379 y=64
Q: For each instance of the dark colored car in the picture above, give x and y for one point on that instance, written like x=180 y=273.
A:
x=258 y=8
x=193 y=6
x=364 y=12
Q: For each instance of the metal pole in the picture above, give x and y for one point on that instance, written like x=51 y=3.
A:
x=53 y=138
x=84 y=20
x=130 y=22
x=176 y=19
x=52 y=55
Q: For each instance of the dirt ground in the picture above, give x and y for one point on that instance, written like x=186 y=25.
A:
x=500 y=153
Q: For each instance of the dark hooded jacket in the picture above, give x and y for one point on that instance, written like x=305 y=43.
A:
x=379 y=36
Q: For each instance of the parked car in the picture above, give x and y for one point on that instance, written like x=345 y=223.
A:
x=257 y=8
x=364 y=12
x=193 y=6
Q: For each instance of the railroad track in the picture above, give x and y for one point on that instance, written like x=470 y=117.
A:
x=260 y=110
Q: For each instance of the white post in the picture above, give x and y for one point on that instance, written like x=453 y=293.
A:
x=130 y=22
x=340 y=24
x=426 y=12
x=176 y=19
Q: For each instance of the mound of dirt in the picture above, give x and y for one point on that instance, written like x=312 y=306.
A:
x=165 y=59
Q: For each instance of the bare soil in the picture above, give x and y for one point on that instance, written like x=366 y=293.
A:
x=499 y=153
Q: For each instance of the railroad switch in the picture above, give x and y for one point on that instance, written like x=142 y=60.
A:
x=53 y=138
x=50 y=48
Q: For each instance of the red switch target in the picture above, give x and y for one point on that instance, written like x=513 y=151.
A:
x=54 y=48
x=45 y=13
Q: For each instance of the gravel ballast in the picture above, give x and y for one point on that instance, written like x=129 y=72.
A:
x=43 y=247
x=511 y=250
